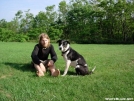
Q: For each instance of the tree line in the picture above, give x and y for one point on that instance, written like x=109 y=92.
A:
x=80 y=21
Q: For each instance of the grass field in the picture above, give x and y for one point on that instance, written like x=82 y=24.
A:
x=113 y=77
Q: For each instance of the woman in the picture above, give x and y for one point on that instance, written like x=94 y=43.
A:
x=40 y=56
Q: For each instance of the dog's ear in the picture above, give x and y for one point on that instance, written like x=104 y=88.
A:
x=68 y=42
x=58 y=41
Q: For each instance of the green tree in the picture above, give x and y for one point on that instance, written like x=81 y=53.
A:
x=81 y=21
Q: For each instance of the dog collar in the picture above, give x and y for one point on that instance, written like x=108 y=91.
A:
x=65 y=51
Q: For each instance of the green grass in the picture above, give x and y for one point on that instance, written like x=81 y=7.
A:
x=113 y=77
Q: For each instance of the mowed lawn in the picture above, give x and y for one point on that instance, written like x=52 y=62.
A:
x=113 y=77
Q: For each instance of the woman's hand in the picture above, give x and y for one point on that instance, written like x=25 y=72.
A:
x=51 y=63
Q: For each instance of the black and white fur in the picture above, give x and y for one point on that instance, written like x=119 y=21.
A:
x=73 y=59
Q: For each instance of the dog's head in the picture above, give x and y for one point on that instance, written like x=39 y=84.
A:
x=63 y=45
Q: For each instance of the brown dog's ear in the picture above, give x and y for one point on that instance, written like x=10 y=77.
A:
x=58 y=41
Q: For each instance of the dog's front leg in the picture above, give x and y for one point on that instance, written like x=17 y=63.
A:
x=68 y=62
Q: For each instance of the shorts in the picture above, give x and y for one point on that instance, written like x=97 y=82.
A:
x=45 y=63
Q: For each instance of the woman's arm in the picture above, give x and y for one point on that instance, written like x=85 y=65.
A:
x=53 y=54
x=34 y=55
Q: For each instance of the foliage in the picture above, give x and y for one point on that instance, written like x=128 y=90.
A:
x=9 y=35
x=81 y=21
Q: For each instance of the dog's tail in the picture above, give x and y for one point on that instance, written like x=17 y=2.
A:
x=92 y=71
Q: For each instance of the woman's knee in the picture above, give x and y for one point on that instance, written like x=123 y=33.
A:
x=43 y=68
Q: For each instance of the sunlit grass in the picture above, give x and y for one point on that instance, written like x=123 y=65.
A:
x=113 y=77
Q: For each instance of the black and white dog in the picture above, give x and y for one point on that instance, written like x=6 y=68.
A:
x=73 y=58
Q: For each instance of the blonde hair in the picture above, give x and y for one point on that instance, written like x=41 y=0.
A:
x=44 y=35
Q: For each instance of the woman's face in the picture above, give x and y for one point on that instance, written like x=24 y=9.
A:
x=44 y=42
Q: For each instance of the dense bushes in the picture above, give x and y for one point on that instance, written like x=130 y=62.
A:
x=9 y=35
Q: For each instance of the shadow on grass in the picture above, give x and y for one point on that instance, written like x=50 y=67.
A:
x=68 y=73
x=29 y=67
x=21 y=66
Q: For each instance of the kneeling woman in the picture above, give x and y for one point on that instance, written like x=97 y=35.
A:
x=40 y=55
